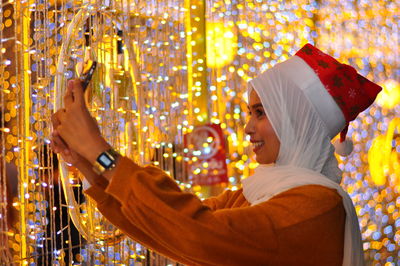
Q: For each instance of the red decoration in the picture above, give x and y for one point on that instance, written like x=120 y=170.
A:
x=207 y=144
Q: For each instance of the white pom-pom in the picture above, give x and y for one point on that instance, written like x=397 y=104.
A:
x=343 y=148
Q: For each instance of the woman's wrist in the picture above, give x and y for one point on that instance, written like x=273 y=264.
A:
x=94 y=150
x=81 y=164
x=92 y=153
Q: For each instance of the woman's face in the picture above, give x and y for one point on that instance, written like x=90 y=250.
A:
x=262 y=136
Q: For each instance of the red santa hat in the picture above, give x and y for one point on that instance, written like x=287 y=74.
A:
x=351 y=92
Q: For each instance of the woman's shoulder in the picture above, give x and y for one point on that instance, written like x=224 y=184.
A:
x=310 y=196
x=313 y=192
x=304 y=203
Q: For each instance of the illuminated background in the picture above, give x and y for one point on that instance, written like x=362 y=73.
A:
x=183 y=64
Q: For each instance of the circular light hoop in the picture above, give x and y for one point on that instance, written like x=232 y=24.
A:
x=60 y=84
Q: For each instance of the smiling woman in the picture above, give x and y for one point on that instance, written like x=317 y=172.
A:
x=262 y=135
x=293 y=212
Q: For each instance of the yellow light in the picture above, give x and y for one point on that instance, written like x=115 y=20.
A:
x=381 y=158
x=221 y=44
x=7 y=130
x=197 y=171
x=253 y=165
x=389 y=97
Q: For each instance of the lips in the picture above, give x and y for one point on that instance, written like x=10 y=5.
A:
x=257 y=145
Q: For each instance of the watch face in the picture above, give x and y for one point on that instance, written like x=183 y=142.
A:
x=105 y=161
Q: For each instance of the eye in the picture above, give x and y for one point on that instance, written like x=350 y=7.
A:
x=259 y=112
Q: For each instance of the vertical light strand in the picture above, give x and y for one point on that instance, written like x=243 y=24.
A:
x=4 y=200
x=196 y=50
x=189 y=57
x=23 y=13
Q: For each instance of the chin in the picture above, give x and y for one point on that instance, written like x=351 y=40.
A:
x=263 y=161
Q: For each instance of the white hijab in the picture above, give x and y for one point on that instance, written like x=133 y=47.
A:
x=306 y=155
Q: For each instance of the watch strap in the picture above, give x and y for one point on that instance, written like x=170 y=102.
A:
x=105 y=161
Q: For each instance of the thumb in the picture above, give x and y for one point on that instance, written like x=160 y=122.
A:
x=78 y=93
x=68 y=97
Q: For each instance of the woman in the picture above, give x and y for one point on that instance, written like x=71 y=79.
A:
x=292 y=211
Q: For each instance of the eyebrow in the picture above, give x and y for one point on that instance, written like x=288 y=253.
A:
x=254 y=106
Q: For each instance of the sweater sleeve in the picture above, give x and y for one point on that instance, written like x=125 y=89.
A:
x=149 y=207
x=111 y=209
x=217 y=202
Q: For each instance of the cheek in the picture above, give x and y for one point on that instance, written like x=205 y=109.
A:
x=266 y=130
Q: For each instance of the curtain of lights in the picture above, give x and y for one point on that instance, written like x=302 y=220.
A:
x=163 y=68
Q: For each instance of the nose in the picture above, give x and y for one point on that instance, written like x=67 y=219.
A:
x=249 y=128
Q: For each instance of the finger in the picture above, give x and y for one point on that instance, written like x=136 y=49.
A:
x=63 y=149
x=68 y=97
x=63 y=133
x=60 y=117
x=54 y=120
x=78 y=93
x=53 y=147
x=55 y=117
x=58 y=142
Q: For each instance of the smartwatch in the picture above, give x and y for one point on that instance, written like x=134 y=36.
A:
x=105 y=161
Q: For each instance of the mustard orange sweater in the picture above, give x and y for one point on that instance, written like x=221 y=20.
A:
x=302 y=226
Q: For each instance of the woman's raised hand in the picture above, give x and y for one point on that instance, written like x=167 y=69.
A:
x=59 y=146
x=75 y=131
